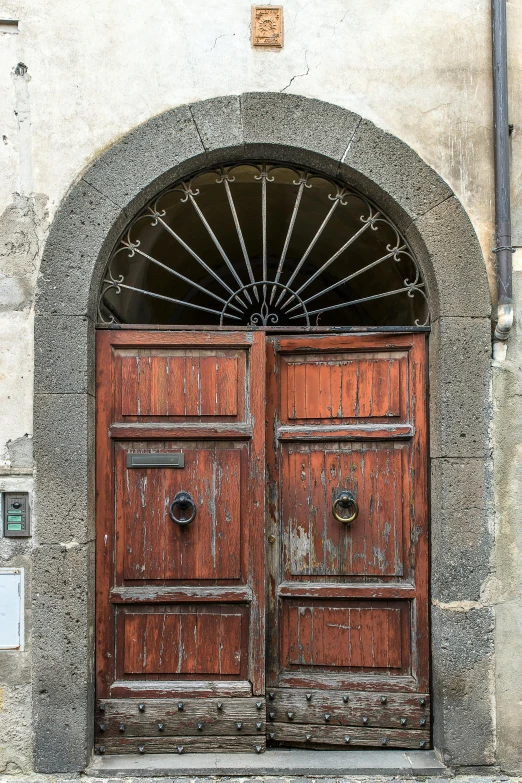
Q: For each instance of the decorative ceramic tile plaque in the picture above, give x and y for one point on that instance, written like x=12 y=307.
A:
x=267 y=25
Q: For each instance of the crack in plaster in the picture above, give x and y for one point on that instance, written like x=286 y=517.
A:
x=223 y=35
x=298 y=75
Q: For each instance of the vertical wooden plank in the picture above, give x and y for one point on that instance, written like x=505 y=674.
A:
x=144 y=386
x=192 y=386
x=202 y=562
x=299 y=390
x=154 y=630
x=277 y=409
x=419 y=509
x=336 y=387
x=336 y=646
x=365 y=387
x=316 y=509
x=170 y=644
x=226 y=543
x=313 y=391
x=356 y=639
x=350 y=389
x=208 y=385
x=227 y=386
x=381 y=638
x=335 y=533
x=190 y=640
x=231 y=647
x=208 y=634
x=393 y=388
x=296 y=495
x=361 y=486
x=135 y=629
x=325 y=390
x=129 y=383
x=394 y=638
x=288 y=387
x=180 y=542
x=379 y=383
x=159 y=402
x=141 y=513
x=367 y=636
x=253 y=495
x=105 y=522
x=176 y=385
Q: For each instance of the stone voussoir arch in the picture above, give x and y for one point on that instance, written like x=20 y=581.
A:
x=339 y=143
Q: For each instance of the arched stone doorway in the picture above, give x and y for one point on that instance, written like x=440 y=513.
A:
x=333 y=141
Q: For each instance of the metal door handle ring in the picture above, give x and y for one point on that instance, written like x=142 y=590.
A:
x=183 y=500
x=345 y=500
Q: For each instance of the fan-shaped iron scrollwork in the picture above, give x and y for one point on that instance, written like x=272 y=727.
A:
x=273 y=287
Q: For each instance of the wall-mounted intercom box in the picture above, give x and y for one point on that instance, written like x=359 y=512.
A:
x=16 y=514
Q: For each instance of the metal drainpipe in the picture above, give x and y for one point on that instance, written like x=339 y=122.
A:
x=503 y=250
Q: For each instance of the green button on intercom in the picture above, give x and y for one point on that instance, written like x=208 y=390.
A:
x=14 y=517
x=11 y=526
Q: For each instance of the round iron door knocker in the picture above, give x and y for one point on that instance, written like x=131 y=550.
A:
x=345 y=500
x=183 y=501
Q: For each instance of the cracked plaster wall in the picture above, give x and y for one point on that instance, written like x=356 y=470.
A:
x=92 y=72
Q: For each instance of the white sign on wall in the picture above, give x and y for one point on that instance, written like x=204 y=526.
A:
x=11 y=608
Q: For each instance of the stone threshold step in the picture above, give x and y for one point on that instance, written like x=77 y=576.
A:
x=273 y=762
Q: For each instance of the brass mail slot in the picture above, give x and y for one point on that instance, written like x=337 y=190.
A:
x=148 y=460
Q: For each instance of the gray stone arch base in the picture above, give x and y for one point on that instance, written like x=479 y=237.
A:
x=337 y=142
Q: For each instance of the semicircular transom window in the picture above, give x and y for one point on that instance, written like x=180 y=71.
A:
x=262 y=244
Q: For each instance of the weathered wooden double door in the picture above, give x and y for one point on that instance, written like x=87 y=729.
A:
x=261 y=541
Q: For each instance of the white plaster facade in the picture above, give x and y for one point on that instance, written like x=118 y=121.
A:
x=421 y=71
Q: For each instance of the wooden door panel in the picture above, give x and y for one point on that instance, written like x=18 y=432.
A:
x=351 y=708
x=309 y=736
x=347 y=602
x=153 y=547
x=180 y=615
x=348 y=635
x=316 y=544
x=180 y=609
x=332 y=387
x=187 y=743
x=184 y=641
x=180 y=384
x=215 y=716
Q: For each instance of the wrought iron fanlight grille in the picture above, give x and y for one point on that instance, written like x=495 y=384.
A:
x=262 y=244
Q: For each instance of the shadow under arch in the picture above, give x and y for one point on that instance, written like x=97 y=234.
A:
x=330 y=139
